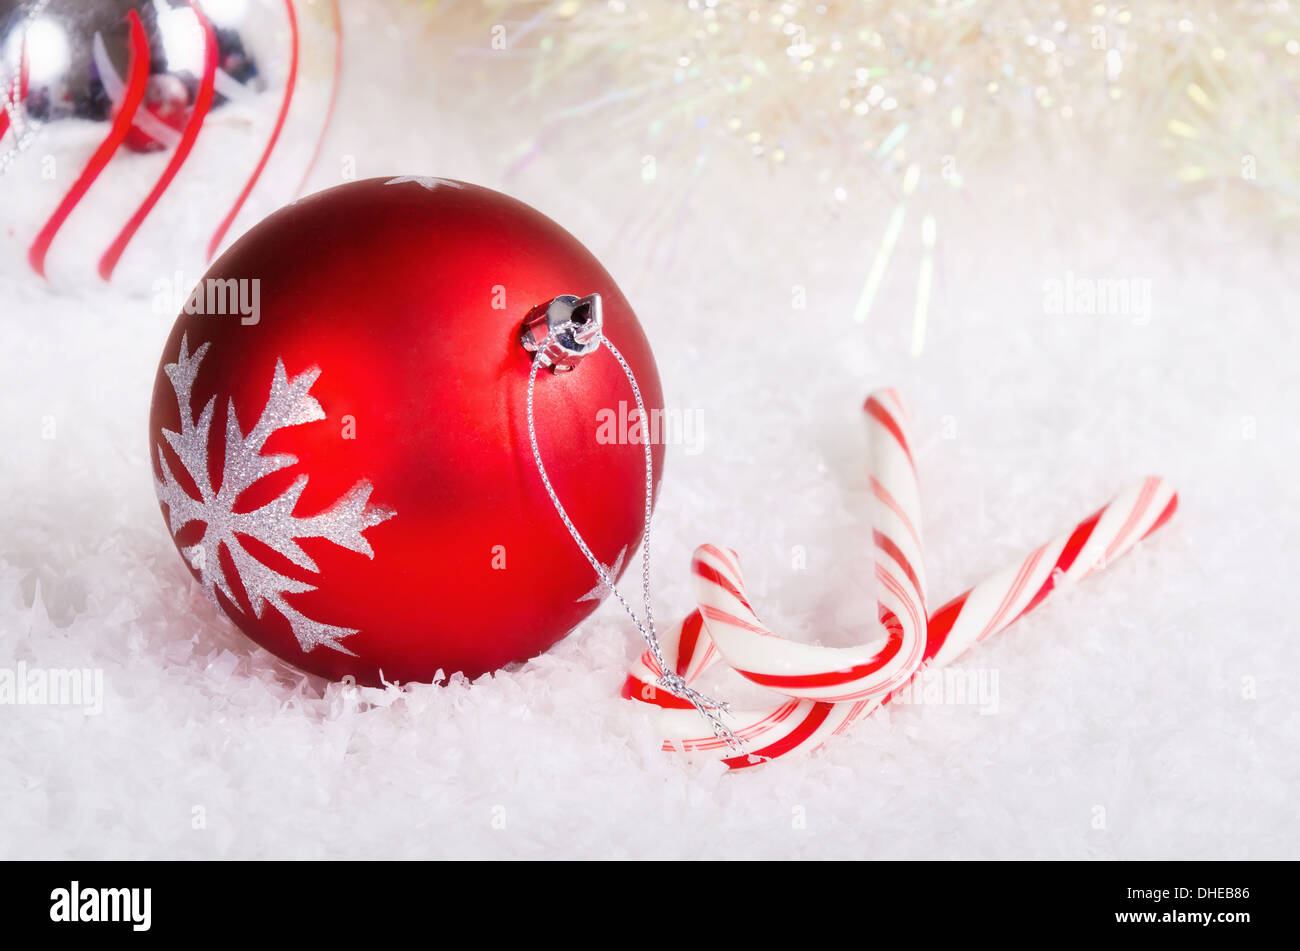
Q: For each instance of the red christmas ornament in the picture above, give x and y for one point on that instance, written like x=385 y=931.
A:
x=339 y=433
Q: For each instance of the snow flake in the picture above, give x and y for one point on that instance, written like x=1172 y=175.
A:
x=611 y=572
x=273 y=524
x=424 y=181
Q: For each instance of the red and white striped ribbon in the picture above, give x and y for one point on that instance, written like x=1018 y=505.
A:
x=803 y=723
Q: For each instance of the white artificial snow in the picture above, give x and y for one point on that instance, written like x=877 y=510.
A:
x=1147 y=712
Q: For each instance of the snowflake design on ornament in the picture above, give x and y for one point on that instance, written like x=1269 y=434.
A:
x=611 y=572
x=273 y=524
x=423 y=181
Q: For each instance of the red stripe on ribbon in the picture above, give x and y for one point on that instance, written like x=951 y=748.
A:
x=138 y=72
x=229 y=220
x=202 y=103
x=20 y=92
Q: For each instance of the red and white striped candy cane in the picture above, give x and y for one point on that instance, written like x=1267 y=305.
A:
x=767 y=733
x=860 y=677
x=1091 y=545
x=806 y=671
x=984 y=610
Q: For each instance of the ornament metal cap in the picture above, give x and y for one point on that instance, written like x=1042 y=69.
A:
x=563 y=330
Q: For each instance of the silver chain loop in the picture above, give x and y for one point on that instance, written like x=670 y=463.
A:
x=669 y=679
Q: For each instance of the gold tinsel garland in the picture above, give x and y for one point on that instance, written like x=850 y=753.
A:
x=1188 y=95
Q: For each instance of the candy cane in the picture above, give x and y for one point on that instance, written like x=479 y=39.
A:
x=805 y=671
x=768 y=733
x=1091 y=545
x=985 y=609
x=859 y=677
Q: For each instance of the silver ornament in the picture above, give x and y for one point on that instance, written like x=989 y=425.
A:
x=108 y=108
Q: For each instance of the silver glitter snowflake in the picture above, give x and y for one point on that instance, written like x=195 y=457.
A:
x=424 y=181
x=612 y=572
x=273 y=524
